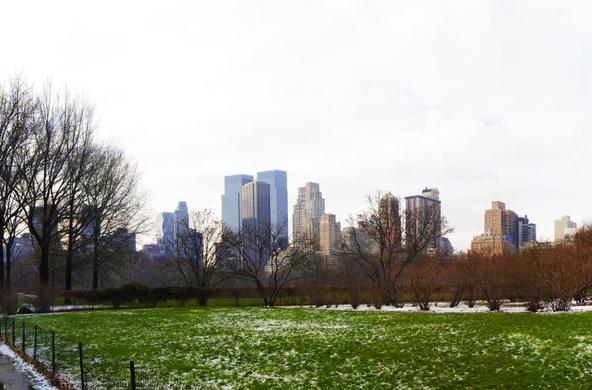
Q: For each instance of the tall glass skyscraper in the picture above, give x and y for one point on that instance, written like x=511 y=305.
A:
x=256 y=221
x=231 y=200
x=278 y=200
x=181 y=219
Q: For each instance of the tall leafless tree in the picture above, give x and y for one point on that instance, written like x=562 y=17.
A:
x=116 y=207
x=263 y=257
x=200 y=252
x=384 y=241
x=16 y=113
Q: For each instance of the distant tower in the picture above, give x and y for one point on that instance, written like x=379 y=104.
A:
x=420 y=211
x=166 y=231
x=278 y=201
x=306 y=219
x=330 y=234
x=256 y=219
x=181 y=219
x=388 y=210
x=231 y=200
x=525 y=232
x=565 y=228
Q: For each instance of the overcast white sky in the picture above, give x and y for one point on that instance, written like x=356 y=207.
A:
x=483 y=99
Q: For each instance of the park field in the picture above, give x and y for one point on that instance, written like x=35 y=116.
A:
x=317 y=348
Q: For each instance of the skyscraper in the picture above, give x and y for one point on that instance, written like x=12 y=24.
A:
x=256 y=220
x=330 y=234
x=231 y=200
x=525 y=232
x=181 y=219
x=306 y=219
x=565 y=228
x=278 y=201
x=500 y=226
x=388 y=209
x=423 y=217
x=165 y=235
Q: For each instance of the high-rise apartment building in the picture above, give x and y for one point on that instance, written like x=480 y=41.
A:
x=165 y=235
x=501 y=222
x=278 y=201
x=306 y=219
x=565 y=228
x=389 y=212
x=231 y=200
x=330 y=234
x=256 y=220
x=181 y=219
x=525 y=232
x=500 y=227
x=422 y=218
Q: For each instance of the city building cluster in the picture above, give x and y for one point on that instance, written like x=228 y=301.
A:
x=260 y=203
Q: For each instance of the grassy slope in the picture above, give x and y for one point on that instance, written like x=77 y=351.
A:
x=309 y=348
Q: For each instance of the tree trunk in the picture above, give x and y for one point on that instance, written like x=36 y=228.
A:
x=68 y=279
x=44 y=298
x=1 y=261
x=95 y=270
x=8 y=272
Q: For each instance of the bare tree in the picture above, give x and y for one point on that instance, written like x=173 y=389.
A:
x=16 y=113
x=200 y=251
x=263 y=257
x=115 y=209
x=383 y=241
x=60 y=122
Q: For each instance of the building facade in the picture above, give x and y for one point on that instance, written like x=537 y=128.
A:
x=565 y=228
x=306 y=218
x=423 y=215
x=256 y=220
x=330 y=234
x=278 y=201
x=231 y=200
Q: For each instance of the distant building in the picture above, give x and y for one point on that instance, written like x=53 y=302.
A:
x=423 y=216
x=390 y=216
x=123 y=241
x=231 y=200
x=165 y=235
x=525 y=231
x=152 y=251
x=446 y=247
x=330 y=234
x=500 y=227
x=565 y=228
x=256 y=219
x=181 y=220
x=278 y=201
x=487 y=244
x=306 y=218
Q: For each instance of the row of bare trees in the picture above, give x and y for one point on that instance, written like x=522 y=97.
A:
x=75 y=197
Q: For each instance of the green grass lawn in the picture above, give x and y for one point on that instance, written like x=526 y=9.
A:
x=312 y=348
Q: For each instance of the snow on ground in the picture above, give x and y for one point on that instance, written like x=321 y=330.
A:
x=35 y=379
x=442 y=307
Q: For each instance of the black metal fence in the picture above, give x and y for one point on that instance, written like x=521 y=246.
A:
x=71 y=364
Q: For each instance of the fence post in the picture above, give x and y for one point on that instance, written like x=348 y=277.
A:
x=53 y=362
x=23 y=339
x=81 y=366
x=132 y=375
x=14 y=332
x=35 y=344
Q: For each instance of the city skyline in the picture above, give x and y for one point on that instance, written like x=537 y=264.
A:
x=379 y=105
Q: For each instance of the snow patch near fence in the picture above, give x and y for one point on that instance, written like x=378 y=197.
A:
x=443 y=308
x=36 y=379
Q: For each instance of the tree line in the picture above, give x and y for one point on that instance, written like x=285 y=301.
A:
x=78 y=199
